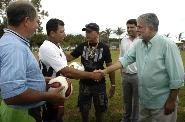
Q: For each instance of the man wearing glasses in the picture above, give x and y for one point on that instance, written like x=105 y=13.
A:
x=160 y=71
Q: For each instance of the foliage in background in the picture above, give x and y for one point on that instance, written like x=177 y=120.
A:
x=69 y=40
x=4 y=4
x=3 y=18
x=167 y=35
x=42 y=14
x=102 y=37
x=108 y=32
x=119 y=32
x=3 y=25
x=37 y=40
x=179 y=37
x=73 y=40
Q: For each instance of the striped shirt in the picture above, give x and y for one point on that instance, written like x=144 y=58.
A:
x=159 y=68
x=19 y=70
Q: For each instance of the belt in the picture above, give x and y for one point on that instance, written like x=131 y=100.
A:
x=129 y=73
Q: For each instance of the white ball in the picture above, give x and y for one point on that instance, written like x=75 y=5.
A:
x=61 y=81
x=77 y=65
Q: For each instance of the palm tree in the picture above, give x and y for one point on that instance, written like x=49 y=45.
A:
x=179 y=36
x=119 y=32
x=100 y=35
x=167 y=35
x=108 y=33
x=103 y=37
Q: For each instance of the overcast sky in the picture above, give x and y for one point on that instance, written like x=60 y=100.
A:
x=114 y=13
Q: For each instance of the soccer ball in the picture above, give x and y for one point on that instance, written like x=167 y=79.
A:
x=77 y=65
x=61 y=81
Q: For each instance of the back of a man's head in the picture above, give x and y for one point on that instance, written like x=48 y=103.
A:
x=18 y=11
x=52 y=25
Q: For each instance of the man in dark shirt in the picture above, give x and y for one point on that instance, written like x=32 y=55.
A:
x=93 y=55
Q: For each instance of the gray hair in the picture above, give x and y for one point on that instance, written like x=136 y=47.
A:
x=150 y=20
x=18 y=11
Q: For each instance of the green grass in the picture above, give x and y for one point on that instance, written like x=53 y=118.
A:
x=115 y=105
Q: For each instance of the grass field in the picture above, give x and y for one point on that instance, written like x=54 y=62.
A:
x=115 y=105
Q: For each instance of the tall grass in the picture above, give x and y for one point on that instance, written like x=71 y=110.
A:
x=115 y=105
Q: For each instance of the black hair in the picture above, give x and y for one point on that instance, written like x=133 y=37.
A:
x=52 y=25
x=132 y=21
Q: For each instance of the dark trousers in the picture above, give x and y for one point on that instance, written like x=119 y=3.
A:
x=130 y=97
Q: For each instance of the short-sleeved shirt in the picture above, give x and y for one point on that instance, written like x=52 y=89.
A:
x=51 y=58
x=159 y=67
x=19 y=70
x=100 y=56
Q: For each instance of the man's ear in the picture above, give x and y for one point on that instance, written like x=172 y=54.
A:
x=151 y=28
x=25 y=21
x=51 y=33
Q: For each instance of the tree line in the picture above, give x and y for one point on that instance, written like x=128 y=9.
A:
x=69 y=40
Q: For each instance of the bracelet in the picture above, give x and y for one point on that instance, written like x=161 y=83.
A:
x=113 y=85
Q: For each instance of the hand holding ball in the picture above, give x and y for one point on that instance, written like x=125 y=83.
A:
x=58 y=82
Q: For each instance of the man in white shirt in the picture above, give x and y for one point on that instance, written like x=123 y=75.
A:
x=129 y=76
x=53 y=63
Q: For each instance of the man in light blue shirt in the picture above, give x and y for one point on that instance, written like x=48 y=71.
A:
x=22 y=84
x=160 y=71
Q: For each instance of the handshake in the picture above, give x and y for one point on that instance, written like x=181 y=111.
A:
x=97 y=75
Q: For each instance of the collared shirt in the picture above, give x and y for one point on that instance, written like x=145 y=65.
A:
x=52 y=59
x=125 y=45
x=159 y=67
x=19 y=70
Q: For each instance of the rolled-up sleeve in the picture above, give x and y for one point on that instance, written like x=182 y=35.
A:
x=174 y=66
